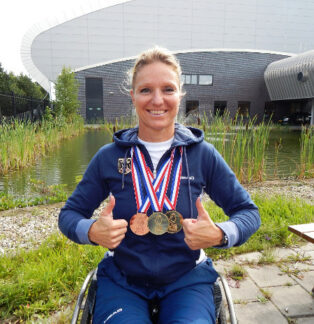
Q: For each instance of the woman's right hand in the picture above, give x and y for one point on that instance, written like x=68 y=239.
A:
x=106 y=231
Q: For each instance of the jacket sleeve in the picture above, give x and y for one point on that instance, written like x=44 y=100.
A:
x=225 y=190
x=74 y=218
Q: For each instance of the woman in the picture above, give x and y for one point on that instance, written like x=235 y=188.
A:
x=154 y=224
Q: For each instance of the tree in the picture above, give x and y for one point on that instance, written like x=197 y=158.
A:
x=67 y=102
x=4 y=80
x=21 y=85
x=30 y=88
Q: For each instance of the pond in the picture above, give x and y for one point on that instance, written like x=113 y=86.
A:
x=71 y=158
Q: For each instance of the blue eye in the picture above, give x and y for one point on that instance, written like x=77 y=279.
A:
x=144 y=90
x=169 y=89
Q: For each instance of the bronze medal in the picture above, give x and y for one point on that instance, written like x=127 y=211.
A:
x=139 y=224
x=158 y=223
x=175 y=221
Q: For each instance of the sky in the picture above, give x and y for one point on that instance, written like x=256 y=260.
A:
x=17 y=16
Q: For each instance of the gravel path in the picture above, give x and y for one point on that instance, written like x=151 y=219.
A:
x=28 y=227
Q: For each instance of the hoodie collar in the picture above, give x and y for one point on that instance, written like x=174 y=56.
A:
x=183 y=136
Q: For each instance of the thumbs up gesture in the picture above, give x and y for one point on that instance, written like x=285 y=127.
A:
x=106 y=231
x=202 y=232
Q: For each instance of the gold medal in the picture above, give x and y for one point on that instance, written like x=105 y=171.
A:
x=158 y=223
x=139 y=224
x=175 y=221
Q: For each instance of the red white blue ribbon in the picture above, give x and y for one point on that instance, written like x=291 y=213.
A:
x=156 y=189
x=153 y=186
x=171 y=205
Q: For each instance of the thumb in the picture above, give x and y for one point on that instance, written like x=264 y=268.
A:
x=201 y=211
x=107 y=211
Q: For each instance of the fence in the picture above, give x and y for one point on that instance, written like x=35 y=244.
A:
x=25 y=108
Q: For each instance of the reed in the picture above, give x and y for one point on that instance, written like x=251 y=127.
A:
x=23 y=142
x=241 y=143
x=307 y=152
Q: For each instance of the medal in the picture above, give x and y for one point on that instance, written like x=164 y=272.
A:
x=156 y=195
x=175 y=220
x=156 y=190
x=139 y=224
x=158 y=223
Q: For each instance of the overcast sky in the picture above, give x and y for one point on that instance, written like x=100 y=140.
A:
x=17 y=16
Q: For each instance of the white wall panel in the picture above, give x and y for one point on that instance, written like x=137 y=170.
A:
x=125 y=28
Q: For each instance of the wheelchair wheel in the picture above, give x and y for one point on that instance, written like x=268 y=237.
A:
x=222 y=319
x=88 y=308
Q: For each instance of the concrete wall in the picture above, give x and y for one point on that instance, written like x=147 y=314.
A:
x=237 y=76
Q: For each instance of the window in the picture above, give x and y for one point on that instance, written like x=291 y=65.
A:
x=219 y=108
x=244 y=109
x=202 y=79
x=193 y=79
x=189 y=78
x=191 y=107
x=205 y=79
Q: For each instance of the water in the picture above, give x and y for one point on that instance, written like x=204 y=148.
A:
x=61 y=166
x=71 y=158
x=288 y=155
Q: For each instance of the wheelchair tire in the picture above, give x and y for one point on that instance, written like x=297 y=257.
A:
x=88 y=309
x=222 y=319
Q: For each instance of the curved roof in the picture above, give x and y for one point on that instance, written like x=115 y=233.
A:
x=291 y=78
x=118 y=29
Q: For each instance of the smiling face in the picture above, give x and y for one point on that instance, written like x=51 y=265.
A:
x=156 y=97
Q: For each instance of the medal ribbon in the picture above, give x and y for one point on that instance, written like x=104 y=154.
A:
x=139 y=167
x=170 y=204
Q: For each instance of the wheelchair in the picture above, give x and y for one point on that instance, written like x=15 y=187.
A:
x=85 y=303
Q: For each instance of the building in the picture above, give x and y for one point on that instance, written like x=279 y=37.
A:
x=224 y=47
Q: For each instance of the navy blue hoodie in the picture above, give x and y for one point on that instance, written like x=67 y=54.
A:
x=151 y=259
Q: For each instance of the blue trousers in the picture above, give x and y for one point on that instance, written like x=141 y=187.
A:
x=181 y=302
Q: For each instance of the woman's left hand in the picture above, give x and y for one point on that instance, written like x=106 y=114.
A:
x=202 y=232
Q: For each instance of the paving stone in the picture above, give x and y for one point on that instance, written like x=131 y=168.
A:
x=293 y=301
x=307 y=282
x=311 y=255
x=281 y=253
x=247 y=291
x=258 y=313
x=222 y=266
x=305 y=320
x=305 y=247
x=304 y=266
x=269 y=275
x=247 y=257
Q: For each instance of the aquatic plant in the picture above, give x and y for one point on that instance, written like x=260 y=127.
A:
x=307 y=152
x=22 y=142
x=242 y=143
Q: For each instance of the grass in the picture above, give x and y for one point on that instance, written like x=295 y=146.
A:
x=33 y=284
x=237 y=272
x=41 y=281
x=267 y=295
x=267 y=257
x=277 y=212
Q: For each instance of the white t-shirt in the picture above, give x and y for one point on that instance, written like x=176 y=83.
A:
x=156 y=149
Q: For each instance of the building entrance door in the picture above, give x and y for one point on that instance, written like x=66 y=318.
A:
x=94 y=100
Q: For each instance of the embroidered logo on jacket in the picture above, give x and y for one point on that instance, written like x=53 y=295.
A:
x=126 y=168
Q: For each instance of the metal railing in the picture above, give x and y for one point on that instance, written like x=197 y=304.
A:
x=25 y=108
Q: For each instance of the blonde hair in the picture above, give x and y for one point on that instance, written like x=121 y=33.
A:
x=152 y=55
